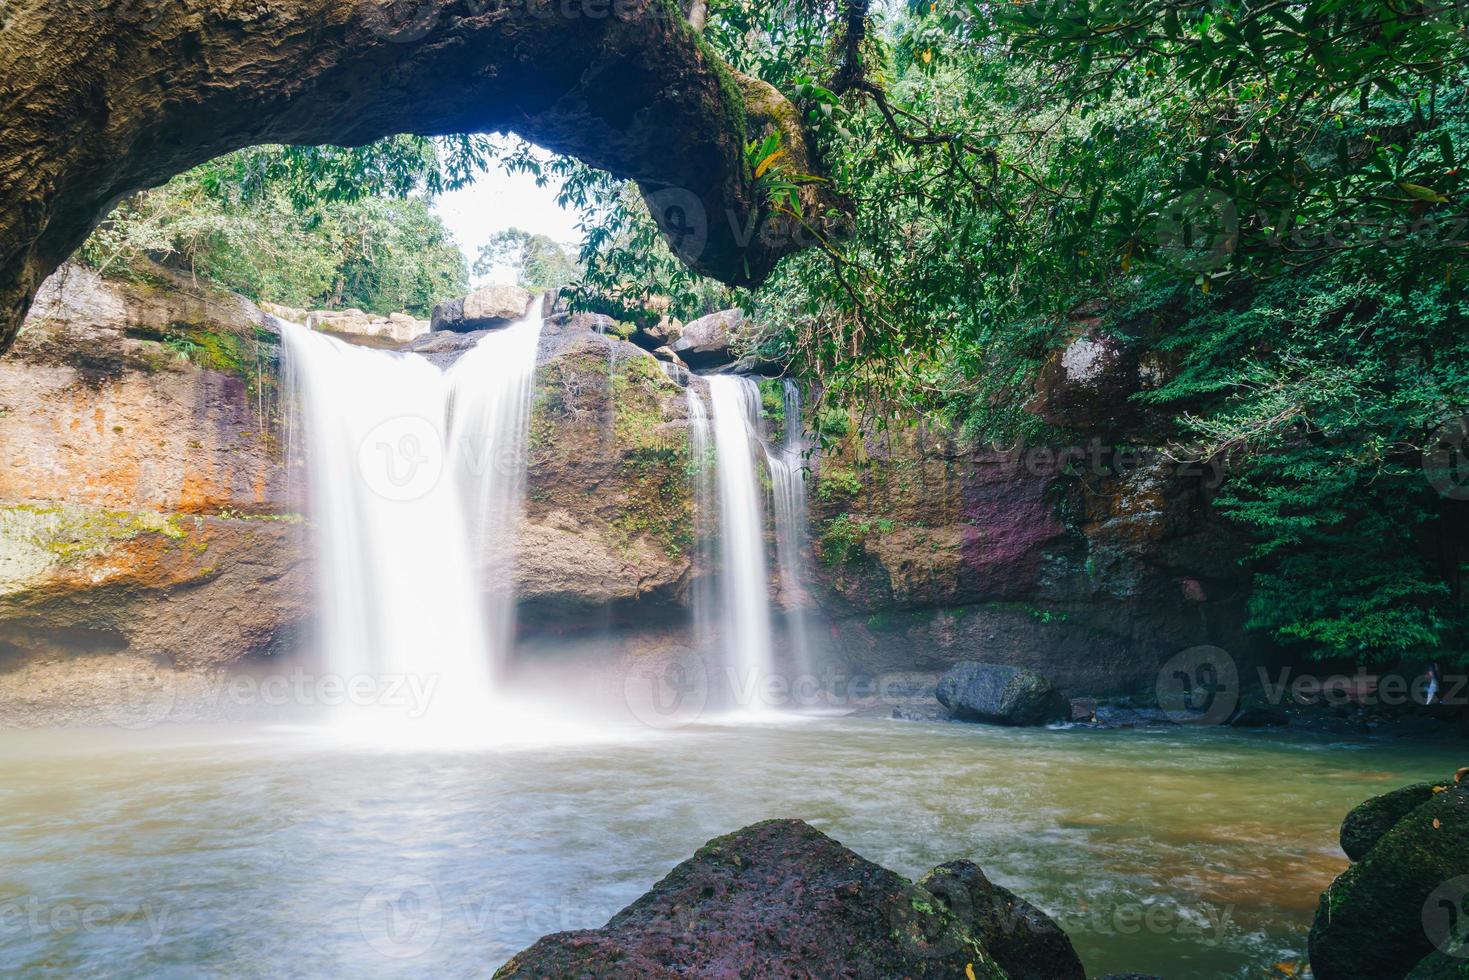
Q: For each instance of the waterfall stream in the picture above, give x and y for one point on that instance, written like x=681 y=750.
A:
x=787 y=462
x=402 y=458
x=733 y=615
x=744 y=579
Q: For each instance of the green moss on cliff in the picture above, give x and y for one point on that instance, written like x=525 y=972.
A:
x=845 y=536
x=68 y=534
x=659 y=506
x=773 y=404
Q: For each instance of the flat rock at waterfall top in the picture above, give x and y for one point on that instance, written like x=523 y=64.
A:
x=498 y=305
x=706 y=342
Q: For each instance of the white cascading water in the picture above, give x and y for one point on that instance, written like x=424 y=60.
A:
x=706 y=521
x=401 y=458
x=744 y=581
x=787 y=462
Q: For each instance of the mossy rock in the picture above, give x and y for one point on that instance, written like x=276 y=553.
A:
x=1025 y=942
x=1439 y=965
x=1383 y=916
x=776 y=899
x=999 y=694
x=1365 y=825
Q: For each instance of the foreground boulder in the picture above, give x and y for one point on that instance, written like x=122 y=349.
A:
x=498 y=305
x=1000 y=695
x=781 y=899
x=1402 y=901
x=1022 y=939
x=706 y=342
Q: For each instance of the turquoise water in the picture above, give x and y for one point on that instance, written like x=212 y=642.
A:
x=270 y=853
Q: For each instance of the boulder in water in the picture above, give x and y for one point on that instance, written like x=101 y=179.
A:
x=778 y=898
x=1024 y=941
x=1403 y=900
x=705 y=343
x=498 y=305
x=1365 y=825
x=1000 y=695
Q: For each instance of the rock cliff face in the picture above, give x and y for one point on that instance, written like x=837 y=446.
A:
x=148 y=524
x=145 y=534
x=1090 y=566
x=609 y=512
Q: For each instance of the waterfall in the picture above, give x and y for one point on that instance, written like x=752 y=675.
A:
x=706 y=522
x=401 y=459
x=787 y=462
x=744 y=583
x=489 y=401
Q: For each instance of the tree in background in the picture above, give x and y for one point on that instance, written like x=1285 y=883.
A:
x=311 y=227
x=1265 y=198
x=537 y=260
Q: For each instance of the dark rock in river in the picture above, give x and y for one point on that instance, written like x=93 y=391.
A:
x=1405 y=897
x=1365 y=825
x=1024 y=941
x=1001 y=695
x=776 y=899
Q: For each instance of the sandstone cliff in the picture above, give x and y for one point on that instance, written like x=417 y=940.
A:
x=149 y=525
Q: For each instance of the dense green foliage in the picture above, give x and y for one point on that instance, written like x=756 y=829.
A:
x=315 y=227
x=1264 y=199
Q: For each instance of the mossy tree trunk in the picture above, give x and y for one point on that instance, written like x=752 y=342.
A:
x=104 y=97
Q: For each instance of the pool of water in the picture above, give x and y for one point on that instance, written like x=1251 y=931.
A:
x=277 y=852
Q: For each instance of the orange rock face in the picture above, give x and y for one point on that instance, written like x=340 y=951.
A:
x=144 y=526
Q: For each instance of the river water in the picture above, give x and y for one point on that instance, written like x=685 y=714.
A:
x=274 y=852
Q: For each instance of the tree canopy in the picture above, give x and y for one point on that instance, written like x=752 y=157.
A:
x=1264 y=201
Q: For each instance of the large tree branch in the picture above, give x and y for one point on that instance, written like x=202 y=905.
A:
x=103 y=97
